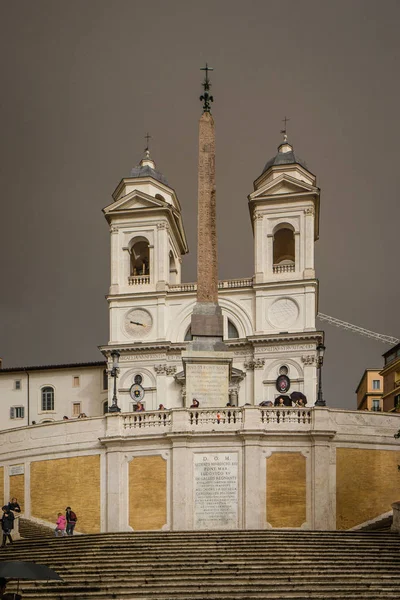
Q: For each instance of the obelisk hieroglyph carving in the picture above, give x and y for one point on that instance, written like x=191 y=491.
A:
x=207 y=323
x=207 y=362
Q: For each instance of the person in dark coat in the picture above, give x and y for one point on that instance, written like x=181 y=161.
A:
x=14 y=506
x=7 y=524
x=71 y=520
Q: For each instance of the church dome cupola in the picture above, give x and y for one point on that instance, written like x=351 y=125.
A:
x=285 y=156
x=147 y=168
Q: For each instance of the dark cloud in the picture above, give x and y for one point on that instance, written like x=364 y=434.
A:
x=83 y=82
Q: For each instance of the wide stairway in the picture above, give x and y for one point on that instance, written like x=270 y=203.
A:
x=218 y=564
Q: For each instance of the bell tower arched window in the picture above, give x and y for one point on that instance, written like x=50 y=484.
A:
x=140 y=259
x=284 y=257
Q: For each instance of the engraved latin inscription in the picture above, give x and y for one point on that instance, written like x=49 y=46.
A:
x=208 y=383
x=215 y=490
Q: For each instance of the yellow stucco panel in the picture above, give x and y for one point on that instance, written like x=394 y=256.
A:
x=17 y=489
x=75 y=482
x=147 y=493
x=367 y=482
x=286 y=489
x=2 y=499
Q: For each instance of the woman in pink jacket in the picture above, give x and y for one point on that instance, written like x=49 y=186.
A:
x=60 y=525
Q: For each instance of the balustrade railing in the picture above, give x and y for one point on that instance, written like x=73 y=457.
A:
x=283 y=268
x=222 y=418
x=223 y=284
x=286 y=415
x=139 y=279
x=149 y=420
x=215 y=416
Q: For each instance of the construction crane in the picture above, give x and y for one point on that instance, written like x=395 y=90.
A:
x=386 y=339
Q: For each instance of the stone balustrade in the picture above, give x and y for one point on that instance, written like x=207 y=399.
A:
x=283 y=269
x=223 y=284
x=139 y=279
x=207 y=419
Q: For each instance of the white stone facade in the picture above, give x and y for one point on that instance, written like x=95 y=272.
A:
x=180 y=438
x=269 y=319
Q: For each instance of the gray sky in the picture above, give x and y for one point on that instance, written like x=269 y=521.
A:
x=84 y=80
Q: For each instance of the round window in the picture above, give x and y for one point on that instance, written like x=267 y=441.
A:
x=138 y=379
x=283 y=370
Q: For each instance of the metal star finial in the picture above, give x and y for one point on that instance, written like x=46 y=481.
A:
x=206 y=98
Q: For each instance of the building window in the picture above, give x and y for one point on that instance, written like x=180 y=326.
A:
x=376 y=404
x=75 y=382
x=232 y=330
x=105 y=379
x=47 y=398
x=105 y=407
x=397 y=401
x=376 y=384
x=17 y=412
x=76 y=409
x=283 y=370
x=17 y=384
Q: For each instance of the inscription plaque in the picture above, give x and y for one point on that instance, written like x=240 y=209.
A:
x=208 y=383
x=215 y=490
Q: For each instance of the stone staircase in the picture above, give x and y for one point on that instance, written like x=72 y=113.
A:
x=216 y=565
x=31 y=530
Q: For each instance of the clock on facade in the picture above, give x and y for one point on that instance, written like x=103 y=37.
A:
x=138 y=322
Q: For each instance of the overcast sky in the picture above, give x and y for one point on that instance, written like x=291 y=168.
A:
x=82 y=82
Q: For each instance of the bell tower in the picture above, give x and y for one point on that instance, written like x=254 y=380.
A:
x=147 y=242
x=284 y=209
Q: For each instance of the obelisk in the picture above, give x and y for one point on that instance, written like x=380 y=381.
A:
x=207 y=362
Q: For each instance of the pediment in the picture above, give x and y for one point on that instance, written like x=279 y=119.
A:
x=134 y=201
x=283 y=184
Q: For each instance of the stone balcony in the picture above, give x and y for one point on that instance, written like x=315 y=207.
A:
x=278 y=269
x=139 y=279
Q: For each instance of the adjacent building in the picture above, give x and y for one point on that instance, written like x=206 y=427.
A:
x=370 y=390
x=391 y=379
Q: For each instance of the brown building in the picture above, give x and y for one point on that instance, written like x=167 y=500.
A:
x=370 y=390
x=391 y=379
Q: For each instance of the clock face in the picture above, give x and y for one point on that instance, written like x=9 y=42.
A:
x=138 y=322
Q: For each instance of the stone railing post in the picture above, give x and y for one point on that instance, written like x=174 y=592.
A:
x=396 y=517
x=114 y=425
x=179 y=420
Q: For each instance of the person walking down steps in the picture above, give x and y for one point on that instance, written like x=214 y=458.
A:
x=71 y=520
x=7 y=524
x=60 y=525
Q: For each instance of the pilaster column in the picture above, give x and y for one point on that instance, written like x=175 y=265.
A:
x=114 y=259
x=182 y=486
x=162 y=236
x=249 y=366
x=299 y=259
x=269 y=260
x=117 y=506
x=323 y=475
x=258 y=247
x=309 y=215
x=253 y=488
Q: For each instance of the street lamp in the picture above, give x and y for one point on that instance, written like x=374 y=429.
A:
x=320 y=360
x=114 y=373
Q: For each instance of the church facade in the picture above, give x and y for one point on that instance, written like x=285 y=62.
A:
x=269 y=318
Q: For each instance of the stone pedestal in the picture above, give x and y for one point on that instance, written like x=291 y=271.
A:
x=207 y=377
